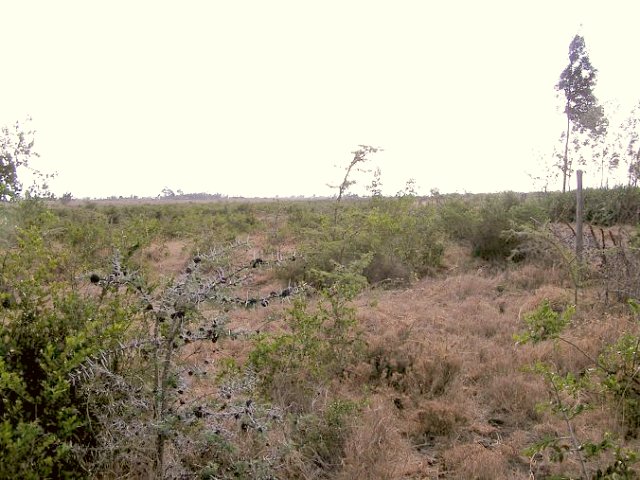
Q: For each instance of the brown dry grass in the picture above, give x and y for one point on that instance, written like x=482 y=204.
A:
x=445 y=386
x=167 y=258
x=377 y=449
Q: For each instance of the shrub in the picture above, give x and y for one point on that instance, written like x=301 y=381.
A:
x=604 y=207
x=321 y=342
x=620 y=364
x=488 y=239
x=573 y=394
x=46 y=331
x=403 y=239
x=545 y=323
x=485 y=223
x=458 y=219
x=322 y=436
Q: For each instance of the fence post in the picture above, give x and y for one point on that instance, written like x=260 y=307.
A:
x=579 y=237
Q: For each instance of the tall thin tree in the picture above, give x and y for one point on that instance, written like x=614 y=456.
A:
x=631 y=134
x=584 y=114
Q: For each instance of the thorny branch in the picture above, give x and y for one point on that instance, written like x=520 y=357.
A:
x=177 y=319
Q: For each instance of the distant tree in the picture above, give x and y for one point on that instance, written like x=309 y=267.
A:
x=376 y=184
x=16 y=149
x=167 y=193
x=410 y=189
x=584 y=114
x=66 y=198
x=359 y=156
x=606 y=147
x=631 y=135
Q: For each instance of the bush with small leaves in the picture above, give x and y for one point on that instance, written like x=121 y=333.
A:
x=47 y=330
x=545 y=323
x=613 y=372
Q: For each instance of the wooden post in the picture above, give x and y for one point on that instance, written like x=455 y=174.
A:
x=579 y=237
x=579 y=245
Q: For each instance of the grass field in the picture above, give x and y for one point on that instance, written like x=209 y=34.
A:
x=384 y=338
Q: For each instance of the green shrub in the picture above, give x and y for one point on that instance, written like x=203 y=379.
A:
x=321 y=340
x=458 y=219
x=545 y=323
x=403 y=239
x=488 y=239
x=571 y=394
x=46 y=331
x=604 y=207
x=322 y=436
x=620 y=363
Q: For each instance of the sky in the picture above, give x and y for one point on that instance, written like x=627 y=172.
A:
x=269 y=98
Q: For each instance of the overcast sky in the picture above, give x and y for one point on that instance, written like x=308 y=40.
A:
x=264 y=98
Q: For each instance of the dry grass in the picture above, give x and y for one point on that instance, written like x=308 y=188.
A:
x=444 y=386
x=377 y=449
x=531 y=276
x=443 y=354
x=167 y=259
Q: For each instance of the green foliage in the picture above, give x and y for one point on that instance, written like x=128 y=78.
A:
x=622 y=466
x=321 y=436
x=584 y=115
x=47 y=329
x=16 y=149
x=564 y=387
x=620 y=363
x=405 y=234
x=497 y=215
x=605 y=207
x=577 y=81
x=614 y=373
x=322 y=340
x=488 y=239
x=93 y=378
x=556 y=450
x=403 y=239
x=568 y=394
x=485 y=222
x=458 y=219
x=544 y=323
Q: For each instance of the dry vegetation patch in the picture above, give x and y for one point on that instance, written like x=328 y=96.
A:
x=167 y=258
x=423 y=381
x=443 y=355
x=444 y=389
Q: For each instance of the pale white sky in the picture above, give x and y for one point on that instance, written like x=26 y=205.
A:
x=263 y=98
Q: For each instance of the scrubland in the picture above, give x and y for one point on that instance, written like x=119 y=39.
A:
x=383 y=338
